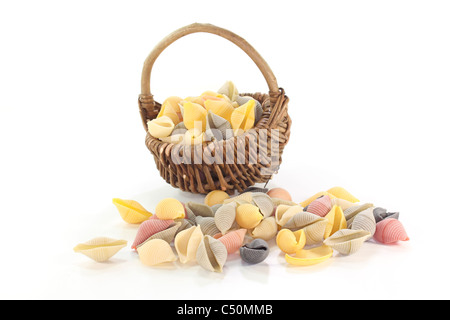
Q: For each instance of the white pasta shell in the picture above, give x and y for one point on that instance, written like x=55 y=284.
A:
x=160 y=127
x=211 y=254
x=266 y=230
x=347 y=241
x=225 y=217
x=353 y=211
x=100 y=249
x=264 y=203
x=284 y=213
x=187 y=242
x=365 y=220
x=155 y=252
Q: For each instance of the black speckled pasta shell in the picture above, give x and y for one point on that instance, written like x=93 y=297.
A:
x=255 y=252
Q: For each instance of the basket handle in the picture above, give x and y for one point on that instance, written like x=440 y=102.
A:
x=208 y=28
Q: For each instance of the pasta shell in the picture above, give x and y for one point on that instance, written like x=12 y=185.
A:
x=243 y=117
x=100 y=249
x=336 y=221
x=365 y=220
x=352 y=212
x=222 y=108
x=291 y=242
x=313 y=226
x=184 y=225
x=390 y=231
x=308 y=201
x=211 y=254
x=230 y=90
x=155 y=252
x=169 y=209
x=194 y=116
x=279 y=193
x=258 y=108
x=198 y=100
x=216 y=197
x=341 y=193
x=233 y=240
x=246 y=197
x=216 y=207
x=131 y=211
x=310 y=257
x=194 y=137
x=381 y=214
x=347 y=241
x=189 y=215
x=160 y=127
x=277 y=201
x=321 y=206
x=255 y=252
x=266 y=230
x=284 y=213
x=208 y=225
x=167 y=235
x=225 y=217
x=248 y=216
x=187 y=242
x=171 y=109
x=344 y=204
x=264 y=203
x=217 y=128
x=149 y=228
x=200 y=209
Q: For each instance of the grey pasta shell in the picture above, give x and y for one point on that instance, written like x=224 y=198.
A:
x=256 y=189
x=190 y=215
x=255 y=252
x=211 y=254
x=217 y=128
x=200 y=209
x=381 y=214
x=208 y=225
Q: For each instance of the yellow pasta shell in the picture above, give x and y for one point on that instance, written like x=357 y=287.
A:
x=310 y=257
x=194 y=137
x=171 y=109
x=154 y=252
x=216 y=197
x=194 y=114
x=100 y=249
x=336 y=221
x=248 y=216
x=243 y=117
x=131 y=211
x=222 y=108
x=169 y=209
x=341 y=193
x=291 y=242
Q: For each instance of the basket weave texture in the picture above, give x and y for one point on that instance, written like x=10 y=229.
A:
x=253 y=160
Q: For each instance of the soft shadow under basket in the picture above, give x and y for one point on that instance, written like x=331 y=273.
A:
x=260 y=161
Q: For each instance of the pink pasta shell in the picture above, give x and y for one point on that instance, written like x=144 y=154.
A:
x=321 y=206
x=233 y=240
x=149 y=228
x=390 y=231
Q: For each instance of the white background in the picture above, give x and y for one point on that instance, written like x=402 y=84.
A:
x=368 y=83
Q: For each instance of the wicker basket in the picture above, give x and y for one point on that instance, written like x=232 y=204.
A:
x=230 y=176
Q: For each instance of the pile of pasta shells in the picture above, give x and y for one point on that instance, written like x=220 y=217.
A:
x=209 y=117
x=208 y=233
